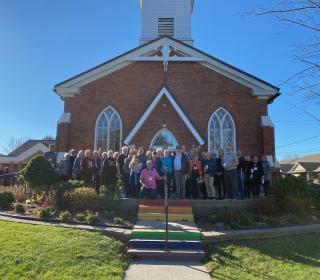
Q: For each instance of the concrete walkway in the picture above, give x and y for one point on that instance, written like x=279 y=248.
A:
x=166 y=270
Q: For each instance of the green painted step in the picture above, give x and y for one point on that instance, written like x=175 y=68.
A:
x=173 y=235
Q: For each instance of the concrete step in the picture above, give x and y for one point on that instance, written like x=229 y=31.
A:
x=160 y=225
x=167 y=255
x=160 y=235
x=161 y=202
x=160 y=209
x=161 y=217
x=180 y=245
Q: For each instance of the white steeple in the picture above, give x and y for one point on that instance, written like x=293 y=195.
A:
x=166 y=17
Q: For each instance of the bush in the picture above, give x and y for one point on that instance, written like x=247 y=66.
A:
x=233 y=218
x=39 y=175
x=45 y=214
x=294 y=195
x=6 y=200
x=76 y=184
x=80 y=217
x=264 y=206
x=82 y=199
x=92 y=219
x=65 y=216
x=20 y=209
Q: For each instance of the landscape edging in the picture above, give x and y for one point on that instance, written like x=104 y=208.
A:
x=223 y=236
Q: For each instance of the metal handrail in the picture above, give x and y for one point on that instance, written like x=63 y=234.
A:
x=166 y=209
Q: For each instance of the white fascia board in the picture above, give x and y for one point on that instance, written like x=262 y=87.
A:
x=65 y=118
x=39 y=147
x=163 y=92
x=266 y=121
x=71 y=87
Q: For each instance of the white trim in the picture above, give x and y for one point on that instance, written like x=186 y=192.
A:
x=221 y=128
x=72 y=86
x=151 y=146
x=164 y=92
x=266 y=121
x=65 y=118
x=96 y=125
x=39 y=147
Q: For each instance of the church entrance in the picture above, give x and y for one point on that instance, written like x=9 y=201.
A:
x=163 y=139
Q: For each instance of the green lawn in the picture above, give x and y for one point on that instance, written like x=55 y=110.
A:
x=287 y=258
x=41 y=252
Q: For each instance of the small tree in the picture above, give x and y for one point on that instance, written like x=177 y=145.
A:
x=39 y=175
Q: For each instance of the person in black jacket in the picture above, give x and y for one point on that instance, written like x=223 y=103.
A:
x=255 y=173
x=218 y=178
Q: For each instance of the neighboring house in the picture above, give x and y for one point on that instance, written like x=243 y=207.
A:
x=311 y=170
x=18 y=158
x=166 y=92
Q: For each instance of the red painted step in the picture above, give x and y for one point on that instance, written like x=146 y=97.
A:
x=161 y=202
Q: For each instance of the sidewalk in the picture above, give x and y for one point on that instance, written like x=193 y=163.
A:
x=166 y=270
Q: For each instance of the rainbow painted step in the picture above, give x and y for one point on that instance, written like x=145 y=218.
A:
x=160 y=235
x=167 y=255
x=148 y=236
x=161 y=217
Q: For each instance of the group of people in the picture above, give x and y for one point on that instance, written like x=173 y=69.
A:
x=193 y=174
x=6 y=177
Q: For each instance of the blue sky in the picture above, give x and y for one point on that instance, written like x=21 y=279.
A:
x=45 y=42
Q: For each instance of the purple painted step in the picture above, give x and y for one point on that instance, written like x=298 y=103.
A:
x=166 y=255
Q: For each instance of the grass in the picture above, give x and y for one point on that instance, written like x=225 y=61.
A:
x=294 y=258
x=41 y=252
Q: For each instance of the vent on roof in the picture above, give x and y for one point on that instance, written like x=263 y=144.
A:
x=166 y=27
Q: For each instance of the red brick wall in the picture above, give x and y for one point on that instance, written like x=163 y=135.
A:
x=268 y=146
x=199 y=91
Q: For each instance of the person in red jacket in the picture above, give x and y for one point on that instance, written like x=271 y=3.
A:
x=195 y=174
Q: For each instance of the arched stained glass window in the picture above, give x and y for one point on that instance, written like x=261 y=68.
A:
x=221 y=131
x=108 y=130
x=164 y=139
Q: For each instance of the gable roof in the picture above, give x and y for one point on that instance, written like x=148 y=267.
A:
x=185 y=52
x=164 y=92
x=27 y=145
x=286 y=167
x=309 y=166
x=306 y=158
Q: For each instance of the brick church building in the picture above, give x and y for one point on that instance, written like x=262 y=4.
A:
x=166 y=92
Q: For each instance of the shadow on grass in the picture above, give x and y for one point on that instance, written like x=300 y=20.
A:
x=302 y=250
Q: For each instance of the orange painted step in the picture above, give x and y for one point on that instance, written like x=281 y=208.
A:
x=161 y=202
x=159 y=209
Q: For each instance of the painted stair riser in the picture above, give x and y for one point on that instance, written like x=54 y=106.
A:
x=161 y=203
x=171 y=235
x=170 y=219
x=162 y=209
x=160 y=245
x=163 y=255
x=162 y=215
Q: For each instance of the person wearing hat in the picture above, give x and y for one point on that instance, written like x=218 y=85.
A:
x=180 y=171
x=209 y=167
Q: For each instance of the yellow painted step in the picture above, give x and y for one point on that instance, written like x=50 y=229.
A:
x=158 y=209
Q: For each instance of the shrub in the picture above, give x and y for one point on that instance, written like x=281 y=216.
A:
x=80 y=217
x=6 y=200
x=65 y=216
x=234 y=218
x=45 y=213
x=264 y=206
x=76 y=184
x=92 y=219
x=82 y=199
x=20 y=209
x=18 y=192
x=294 y=195
x=39 y=175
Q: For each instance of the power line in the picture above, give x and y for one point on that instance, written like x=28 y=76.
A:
x=299 y=141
